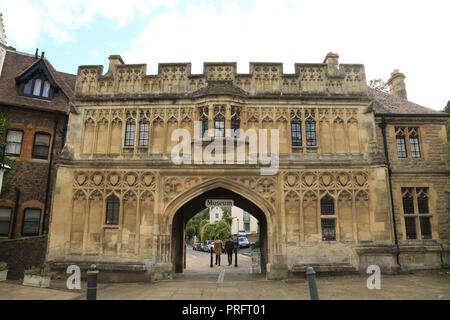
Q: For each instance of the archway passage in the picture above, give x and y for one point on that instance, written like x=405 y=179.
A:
x=195 y=205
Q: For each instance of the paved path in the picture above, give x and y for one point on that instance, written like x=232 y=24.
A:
x=200 y=282
x=427 y=286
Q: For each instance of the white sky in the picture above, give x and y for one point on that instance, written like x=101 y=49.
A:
x=412 y=36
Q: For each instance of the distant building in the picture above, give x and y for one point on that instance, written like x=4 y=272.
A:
x=242 y=220
x=215 y=214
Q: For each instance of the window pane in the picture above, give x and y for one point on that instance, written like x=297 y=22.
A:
x=14 y=142
x=143 y=133
x=410 y=226
x=129 y=133
x=415 y=149
x=401 y=147
x=422 y=203
x=204 y=127
x=296 y=132
x=328 y=230
x=31 y=222
x=311 y=133
x=219 y=126
x=42 y=139
x=425 y=227
x=5 y=219
x=37 y=87
x=408 y=202
x=327 y=205
x=46 y=90
x=41 y=146
x=112 y=210
x=27 y=87
x=235 y=124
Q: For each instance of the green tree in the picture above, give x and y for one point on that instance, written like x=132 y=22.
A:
x=208 y=232
x=379 y=85
x=190 y=231
x=222 y=230
x=229 y=219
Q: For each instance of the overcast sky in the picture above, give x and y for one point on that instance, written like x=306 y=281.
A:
x=412 y=36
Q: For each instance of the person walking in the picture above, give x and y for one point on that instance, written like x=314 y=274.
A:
x=218 y=249
x=229 y=248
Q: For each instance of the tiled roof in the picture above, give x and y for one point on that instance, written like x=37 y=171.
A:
x=16 y=63
x=385 y=103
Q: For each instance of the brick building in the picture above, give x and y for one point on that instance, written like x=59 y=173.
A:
x=36 y=98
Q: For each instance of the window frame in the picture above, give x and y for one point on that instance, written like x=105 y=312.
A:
x=9 y=222
x=115 y=217
x=146 y=132
x=408 y=142
x=41 y=89
x=21 y=142
x=421 y=232
x=23 y=222
x=128 y=142
x=33 y=155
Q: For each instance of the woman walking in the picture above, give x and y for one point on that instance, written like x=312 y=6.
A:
x=218 y=249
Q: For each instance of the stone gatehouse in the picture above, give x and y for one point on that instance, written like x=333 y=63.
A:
x=352 y=160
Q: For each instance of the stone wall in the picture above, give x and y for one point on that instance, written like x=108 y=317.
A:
x=22 y=254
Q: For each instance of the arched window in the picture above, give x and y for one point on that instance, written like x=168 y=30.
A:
x=414 y=142
x=41 y=145
x=130 y=130
x=401 y=144
x=143 y=133
x=14 y=142
x=235 y=118
x=327 y=205
x=31 y=222
x=310 y=125
x=219 y=121
x=204 y=121
x=5 y=219
x=112 y=210
x=296 y=128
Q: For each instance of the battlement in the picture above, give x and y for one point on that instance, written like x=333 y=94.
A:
x=265 y=78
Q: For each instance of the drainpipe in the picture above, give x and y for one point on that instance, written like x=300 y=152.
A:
x=382 y=125
x=44 y=226
x=16 y=205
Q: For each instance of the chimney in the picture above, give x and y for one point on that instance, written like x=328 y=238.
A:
x=36 y=53
x=397 y=84
x=332 y=61
x=113 y=61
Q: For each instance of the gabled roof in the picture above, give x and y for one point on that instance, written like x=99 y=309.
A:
x=17 y=67
x=388 y=104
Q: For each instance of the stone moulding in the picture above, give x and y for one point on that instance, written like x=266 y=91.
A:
x=264 y=78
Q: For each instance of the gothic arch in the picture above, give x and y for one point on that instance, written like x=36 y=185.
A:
x=234 y=187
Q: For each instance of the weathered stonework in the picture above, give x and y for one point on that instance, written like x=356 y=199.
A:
x=347 y=164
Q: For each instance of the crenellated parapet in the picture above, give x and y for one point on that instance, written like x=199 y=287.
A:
x=175 y=79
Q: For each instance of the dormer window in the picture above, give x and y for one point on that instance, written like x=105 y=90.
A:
x=37 y=82
x=38 y=88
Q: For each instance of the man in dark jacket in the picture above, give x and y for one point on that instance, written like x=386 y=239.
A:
x=229 y=248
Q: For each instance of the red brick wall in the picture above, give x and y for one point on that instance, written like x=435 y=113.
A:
x=32 y=176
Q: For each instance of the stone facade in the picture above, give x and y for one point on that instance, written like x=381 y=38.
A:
x=345 y=165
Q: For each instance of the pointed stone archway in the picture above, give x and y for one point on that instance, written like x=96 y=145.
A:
x=189 y=203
